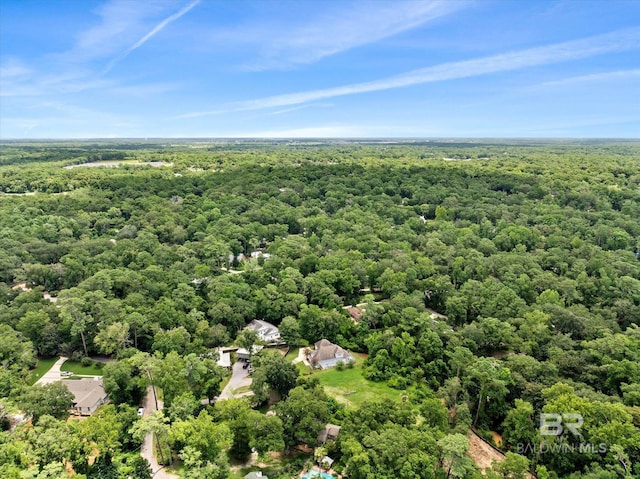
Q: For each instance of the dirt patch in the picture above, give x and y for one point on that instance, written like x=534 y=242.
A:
x=497 y=438
x=484 y=454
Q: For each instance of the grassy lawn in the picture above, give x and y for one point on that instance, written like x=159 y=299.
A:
x=177 y=468
x=242 y=390
x=77 y=368
x=271 y=462
x=350 y=388
x=43 y=366
x=292 y=354
x=224 y=382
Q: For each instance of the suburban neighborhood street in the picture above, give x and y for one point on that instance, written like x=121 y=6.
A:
x=53 y=374
x=239 y=378
x=146 y=450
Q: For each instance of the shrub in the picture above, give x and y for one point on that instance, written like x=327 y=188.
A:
x=86 y=362
x=398 y=382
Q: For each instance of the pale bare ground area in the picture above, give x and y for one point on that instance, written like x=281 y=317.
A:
x=484 y=455
x=302 y=358
x=116 y=164
x=25 y=289
x=250 y=462
x=33 y=193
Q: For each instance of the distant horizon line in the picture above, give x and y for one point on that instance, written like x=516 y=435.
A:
x=324 y=138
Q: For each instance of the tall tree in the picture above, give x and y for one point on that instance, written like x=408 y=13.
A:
x=52 y=399
x=304 y=414
x=489 y=380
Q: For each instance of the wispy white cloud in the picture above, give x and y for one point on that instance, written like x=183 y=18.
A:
x=119 y=22
x=595 y=77
x=21 y=123
x=154 y=31
x=299 y=107
x=621 y=40
x=13 y=74
x=142 y=89
x=13 y=68
x=282 y=40
x=34 y=84
x=72 y=83
x=75 y=70
x=568 y=127
x=59 y=119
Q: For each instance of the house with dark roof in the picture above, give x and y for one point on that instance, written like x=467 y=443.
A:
x=355 y=313
x=88 y=395
x=327 y=355
x=329 y=433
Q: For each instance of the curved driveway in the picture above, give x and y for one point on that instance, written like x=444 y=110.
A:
x=53 y=374
x=239 y=378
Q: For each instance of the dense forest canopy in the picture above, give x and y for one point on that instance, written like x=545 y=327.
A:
x=142 y=251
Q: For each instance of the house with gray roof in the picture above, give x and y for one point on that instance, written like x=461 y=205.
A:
x=88 y=394
x=267 y=332
x=327 y=355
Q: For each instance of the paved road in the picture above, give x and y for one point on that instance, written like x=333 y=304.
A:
x=53 y=374
x=239 y=377
x=146 y=450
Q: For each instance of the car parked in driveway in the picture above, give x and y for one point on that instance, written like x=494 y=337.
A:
x=140 y=411
x=66 y=374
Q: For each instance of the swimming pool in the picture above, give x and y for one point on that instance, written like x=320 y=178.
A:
x=317 y=475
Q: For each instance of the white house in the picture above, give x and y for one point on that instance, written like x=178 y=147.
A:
x=244 y=355
x=267 y=332
x=224 y=359
x=259 y=254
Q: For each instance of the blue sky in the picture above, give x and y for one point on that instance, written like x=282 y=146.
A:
x=319 y=68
